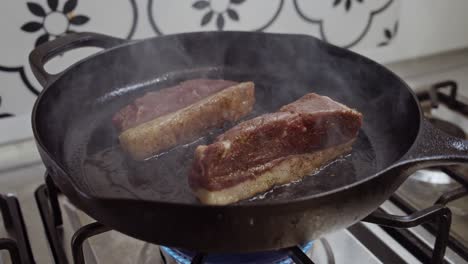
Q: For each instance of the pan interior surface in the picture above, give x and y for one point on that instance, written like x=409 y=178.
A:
x=84 y=142
x=164 y=177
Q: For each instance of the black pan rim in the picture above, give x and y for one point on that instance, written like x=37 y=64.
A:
x=91 y=198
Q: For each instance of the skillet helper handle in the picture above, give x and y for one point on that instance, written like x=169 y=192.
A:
x=40 y=55
x=434 y=147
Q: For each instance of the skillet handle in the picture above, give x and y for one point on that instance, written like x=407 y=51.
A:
x=40 y=55
x=434 y=147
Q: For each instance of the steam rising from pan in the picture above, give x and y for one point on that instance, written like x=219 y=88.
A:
x=283 y=68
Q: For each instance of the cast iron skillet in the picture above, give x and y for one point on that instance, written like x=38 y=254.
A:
x=151 y=200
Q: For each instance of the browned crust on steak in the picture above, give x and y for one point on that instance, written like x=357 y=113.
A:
x=280 y=171
x=188 y=123
x=158 y=103
x=273 y=149
x=310 y=124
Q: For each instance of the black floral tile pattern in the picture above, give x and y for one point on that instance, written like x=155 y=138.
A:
x=3 y=115
x=320 y=21
x=66 y=16
x=347 y=3
x=221 y=16
x=50 y=19
x=216 y=14
x=389 y=35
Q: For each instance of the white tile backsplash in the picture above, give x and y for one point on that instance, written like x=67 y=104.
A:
x=385 y=30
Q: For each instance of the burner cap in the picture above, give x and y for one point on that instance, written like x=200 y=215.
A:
x=276 y=257
x=448 y=127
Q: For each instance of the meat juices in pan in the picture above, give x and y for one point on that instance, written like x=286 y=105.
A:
x=248 y=159
x=273 y=149
x=177 y=115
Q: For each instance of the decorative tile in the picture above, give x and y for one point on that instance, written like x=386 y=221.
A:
x=29 y=24
x=389 y=33
x=3 y=114
x=168 y=17
x=342 y=22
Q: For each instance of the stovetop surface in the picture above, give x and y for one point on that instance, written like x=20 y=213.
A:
x=423 y=189
x=114 y=247
x=22 y=183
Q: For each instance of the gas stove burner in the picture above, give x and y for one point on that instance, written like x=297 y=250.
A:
x=448 y=127
x=277 y=257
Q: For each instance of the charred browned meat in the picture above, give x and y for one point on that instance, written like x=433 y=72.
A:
x=156 y=104
x=273 y=149
x=161 y=120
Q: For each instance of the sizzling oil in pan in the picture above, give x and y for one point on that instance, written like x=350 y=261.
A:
x=108 y=171
x=164 y=177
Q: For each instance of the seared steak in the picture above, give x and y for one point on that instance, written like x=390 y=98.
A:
x=190 y=122
x=165 y=101
x=273 y=149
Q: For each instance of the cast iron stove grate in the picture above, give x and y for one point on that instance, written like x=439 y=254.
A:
x=441 y=93
x=47 y=200
x=17 y=244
